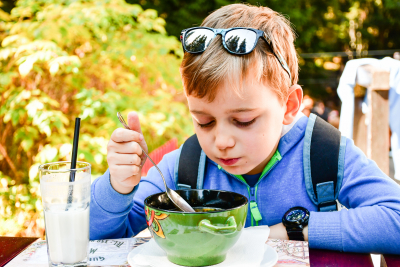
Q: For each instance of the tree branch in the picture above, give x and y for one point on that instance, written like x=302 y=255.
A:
x=3 y=151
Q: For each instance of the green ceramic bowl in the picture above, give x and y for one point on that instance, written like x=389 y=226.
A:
x=201 y=238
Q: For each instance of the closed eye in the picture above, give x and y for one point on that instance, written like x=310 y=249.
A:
x=206 y=124
x=244 y=124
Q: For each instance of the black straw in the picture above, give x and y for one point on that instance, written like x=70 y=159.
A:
x=73 y=161
x=75 y=148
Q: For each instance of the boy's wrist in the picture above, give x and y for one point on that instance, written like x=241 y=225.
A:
x=278 y=231
x=305 y=233
x=119 y=188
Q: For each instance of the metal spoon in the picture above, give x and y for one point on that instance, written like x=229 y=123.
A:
x=178 y=201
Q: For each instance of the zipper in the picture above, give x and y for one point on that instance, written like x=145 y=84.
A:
x=252 y=200
x=247 y=186
x=255 y=213
x=250 y=191
x=256 y=186
x=251 y=216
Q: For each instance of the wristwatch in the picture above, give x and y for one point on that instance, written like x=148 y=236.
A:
x=295 y=219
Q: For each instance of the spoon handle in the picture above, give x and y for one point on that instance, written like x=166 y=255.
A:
x=155 y=165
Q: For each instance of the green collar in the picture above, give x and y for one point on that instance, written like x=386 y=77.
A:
x=276 y=157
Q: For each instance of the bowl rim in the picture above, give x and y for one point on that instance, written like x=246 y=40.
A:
x=205 y=212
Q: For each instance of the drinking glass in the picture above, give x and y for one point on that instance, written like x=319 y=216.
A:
x=66 y=212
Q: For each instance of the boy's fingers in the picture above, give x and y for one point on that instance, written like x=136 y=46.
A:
x=131 y=179
x=124 y=148
x=122 y=172
x=124 y=159
x=125 y=135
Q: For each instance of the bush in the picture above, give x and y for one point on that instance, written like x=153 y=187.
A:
x=61 y=59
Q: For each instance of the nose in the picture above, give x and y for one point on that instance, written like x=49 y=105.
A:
x=223 y=139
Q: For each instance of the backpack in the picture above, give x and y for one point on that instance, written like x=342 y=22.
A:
x=323 y=163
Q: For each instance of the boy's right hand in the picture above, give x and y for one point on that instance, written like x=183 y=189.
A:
x=124 y=155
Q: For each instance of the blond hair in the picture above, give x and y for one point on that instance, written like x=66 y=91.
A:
x=203 y=73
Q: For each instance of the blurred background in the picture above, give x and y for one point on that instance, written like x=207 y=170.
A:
x=60 y=59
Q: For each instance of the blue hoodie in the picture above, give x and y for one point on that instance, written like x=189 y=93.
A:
x=371 y=222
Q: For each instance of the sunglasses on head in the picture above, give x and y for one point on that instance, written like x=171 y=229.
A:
x=237 y=41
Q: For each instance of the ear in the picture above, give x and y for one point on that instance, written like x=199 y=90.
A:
x=293 y=103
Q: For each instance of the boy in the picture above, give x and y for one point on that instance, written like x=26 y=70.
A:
x=245 y=114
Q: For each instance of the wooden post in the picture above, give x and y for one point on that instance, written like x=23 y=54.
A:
x=360 y=129
x=376 y=121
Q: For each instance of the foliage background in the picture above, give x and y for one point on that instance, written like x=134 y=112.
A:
x=60 y=59
x=64 y=59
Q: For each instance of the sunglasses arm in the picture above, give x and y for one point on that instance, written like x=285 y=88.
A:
x=283 y=64
x=278 y=56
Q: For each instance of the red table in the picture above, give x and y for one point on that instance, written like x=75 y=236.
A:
x=331 y=258
x=12 y=246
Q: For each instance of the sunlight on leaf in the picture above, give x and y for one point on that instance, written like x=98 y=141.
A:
x=98 y=158
x=33 y=171
x=47 y=154
x=54 y=68
x=65 y=150
x=25 y=67
x=33 y=107
x=14 y=39
x=27 y=144
x=7 y=117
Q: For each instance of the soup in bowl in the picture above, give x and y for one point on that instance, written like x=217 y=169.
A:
x=197 y=238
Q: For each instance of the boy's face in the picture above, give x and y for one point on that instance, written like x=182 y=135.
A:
x=240 y=134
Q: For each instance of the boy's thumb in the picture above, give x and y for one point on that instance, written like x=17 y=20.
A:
x=133 y=122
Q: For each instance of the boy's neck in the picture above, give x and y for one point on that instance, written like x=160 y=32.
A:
x=287 y=128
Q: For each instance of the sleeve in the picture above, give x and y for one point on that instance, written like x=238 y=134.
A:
x=115 y=215
x=371 y=222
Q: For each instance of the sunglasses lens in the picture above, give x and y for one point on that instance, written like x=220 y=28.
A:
x=240 y=41
x=197 y=40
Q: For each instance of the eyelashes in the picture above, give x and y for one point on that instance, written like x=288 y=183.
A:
x=238 y=123
x=206 y=125
x=245 y=124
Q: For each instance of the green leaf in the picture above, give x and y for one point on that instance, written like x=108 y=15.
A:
x=27 y=144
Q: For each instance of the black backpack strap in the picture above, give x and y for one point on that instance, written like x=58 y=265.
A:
x=191 y=167
x=323 y=161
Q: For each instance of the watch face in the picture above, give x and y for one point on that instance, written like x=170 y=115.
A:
x=295 y=215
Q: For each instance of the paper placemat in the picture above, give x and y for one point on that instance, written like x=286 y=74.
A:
x=290 y=253
x=106 y=252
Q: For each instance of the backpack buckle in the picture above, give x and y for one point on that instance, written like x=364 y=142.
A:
x=330 y=205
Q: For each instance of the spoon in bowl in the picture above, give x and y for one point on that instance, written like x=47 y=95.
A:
x=178 y=201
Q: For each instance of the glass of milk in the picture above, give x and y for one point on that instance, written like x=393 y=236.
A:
x=66 y=212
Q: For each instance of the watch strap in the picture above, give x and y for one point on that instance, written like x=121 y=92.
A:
x=295 y=234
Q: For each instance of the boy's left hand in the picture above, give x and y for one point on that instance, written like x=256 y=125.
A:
x=278 y=231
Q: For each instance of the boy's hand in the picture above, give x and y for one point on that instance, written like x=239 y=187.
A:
x=124 y=155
